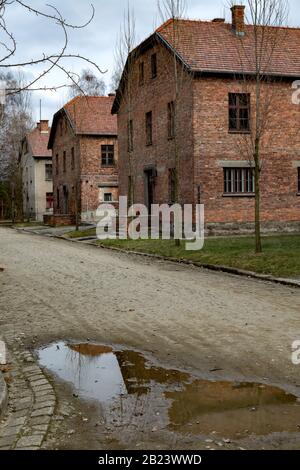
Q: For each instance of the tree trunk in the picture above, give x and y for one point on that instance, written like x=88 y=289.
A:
x=76 y=207
x=258 y=243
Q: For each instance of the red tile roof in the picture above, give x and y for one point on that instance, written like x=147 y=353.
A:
x=213 y=47
x=92 y=115
x=89 y=115
x=38 y=143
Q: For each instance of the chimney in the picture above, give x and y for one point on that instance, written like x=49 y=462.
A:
x=238 y=19
x=43 y=126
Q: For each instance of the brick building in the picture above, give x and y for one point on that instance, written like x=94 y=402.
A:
x=84 y=144
x=35 y=161
x=213 y=115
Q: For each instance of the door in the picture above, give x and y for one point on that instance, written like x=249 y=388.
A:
x=149 y=188
x=66 y=200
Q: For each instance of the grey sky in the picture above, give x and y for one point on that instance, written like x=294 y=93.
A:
x=97 y=41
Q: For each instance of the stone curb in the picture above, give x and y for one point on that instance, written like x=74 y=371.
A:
x=3 y=395
x=31 y=402
x=211 y=267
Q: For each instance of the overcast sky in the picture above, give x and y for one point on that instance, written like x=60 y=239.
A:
x=97 y=41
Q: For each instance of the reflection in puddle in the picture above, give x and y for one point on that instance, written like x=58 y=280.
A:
x=137 y=393
x=93 y=370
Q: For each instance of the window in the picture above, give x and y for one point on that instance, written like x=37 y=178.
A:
x=48 y=172
x=171 y=120
x=61 y=127
x=299 y=180
x=56 y=164
x=239 y=112
x=238 y=181
x=49 y=201
x=107 y=197
x=72 y=159
x=154 y=66
x=149 y=128
x=172 y=185
x=141 y=73
x=107 y=155
x=130 y=135
x=64 y=162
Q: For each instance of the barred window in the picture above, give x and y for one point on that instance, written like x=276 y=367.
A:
x=238 y=181
x=108 y=197
x=239 y=112
x=299 y=180
x=107 y=155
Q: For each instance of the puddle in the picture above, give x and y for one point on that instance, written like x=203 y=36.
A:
x=137 y=393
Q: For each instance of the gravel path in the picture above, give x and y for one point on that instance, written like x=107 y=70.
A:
x=191 y=318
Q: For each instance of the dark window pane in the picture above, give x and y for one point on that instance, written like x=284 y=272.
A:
x=238 y=181
x=141 y=73
x=239 y=112
x=154 y=65
x=149 y=128
x=107 y=155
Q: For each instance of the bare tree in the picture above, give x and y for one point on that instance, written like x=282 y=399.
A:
x=125 y=56
x=15 y=123
x=88 y=84
x=50 y=61
x=265 y=18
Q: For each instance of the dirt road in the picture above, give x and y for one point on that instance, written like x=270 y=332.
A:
x=187 y=318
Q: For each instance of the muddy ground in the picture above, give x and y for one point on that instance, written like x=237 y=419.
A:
x=213 y=326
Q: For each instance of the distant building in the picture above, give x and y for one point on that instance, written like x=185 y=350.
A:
x=36 y=162
x=84 y=144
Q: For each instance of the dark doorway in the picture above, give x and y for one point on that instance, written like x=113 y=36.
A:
x=149 y=187
x=66 y=199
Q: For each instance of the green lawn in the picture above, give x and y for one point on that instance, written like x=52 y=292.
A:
x=90 y=232
x=28 y=224
x=280 y=257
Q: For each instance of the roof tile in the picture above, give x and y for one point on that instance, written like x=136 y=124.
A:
x=213 y=47
x=38 y=143
x=92 y=115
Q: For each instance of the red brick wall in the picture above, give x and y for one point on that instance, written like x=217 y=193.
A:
x=154 y=96
x=213 y=143
x=93 y=175
x=88 y=174
x=65 y=142
x=204 y=141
